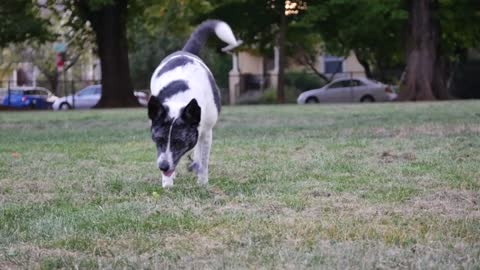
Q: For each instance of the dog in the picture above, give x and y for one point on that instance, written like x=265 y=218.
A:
x=185 y=104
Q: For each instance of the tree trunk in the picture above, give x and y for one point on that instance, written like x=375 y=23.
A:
x=362 y=59
x=281 y=60
x=425 y=70
x=109 y=25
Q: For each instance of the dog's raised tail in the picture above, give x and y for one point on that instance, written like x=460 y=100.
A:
x=199 y=37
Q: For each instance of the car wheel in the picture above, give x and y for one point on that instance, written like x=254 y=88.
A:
x=65 y=106
x=311 y=100
x=367 y=99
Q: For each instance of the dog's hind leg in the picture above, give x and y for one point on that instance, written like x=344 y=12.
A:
x=204 y=145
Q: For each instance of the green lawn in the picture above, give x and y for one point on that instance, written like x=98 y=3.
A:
x=331 y=186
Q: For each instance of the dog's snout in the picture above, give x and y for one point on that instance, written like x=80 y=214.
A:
x=164 y=166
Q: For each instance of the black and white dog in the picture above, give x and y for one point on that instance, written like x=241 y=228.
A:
x=185 y=104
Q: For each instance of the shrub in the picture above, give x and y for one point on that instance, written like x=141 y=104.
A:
x=302 y=81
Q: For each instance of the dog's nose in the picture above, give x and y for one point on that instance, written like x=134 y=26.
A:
x=164 y=166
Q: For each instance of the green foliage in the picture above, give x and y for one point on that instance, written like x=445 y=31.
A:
x=303 y=81
x=163 y=29
x=257 y=23
x=373 y=29
x=460 y=26
x=20 y=21
x=147 y=50
x=269 y=96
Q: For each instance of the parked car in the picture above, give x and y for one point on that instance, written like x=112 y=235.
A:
x=348 y=90
x=88 y=97
x=27 y=97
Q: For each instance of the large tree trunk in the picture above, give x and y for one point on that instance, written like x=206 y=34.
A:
x=281 y=60
x=362 y=59
x=109 y=24
x=426 y=69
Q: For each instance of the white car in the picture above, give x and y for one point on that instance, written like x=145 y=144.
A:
x=348 y=90
x=88 y=97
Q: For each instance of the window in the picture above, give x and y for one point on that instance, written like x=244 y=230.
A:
x=98 y=90
x=36 y=92
x=339 y=84
x=333 y=64
x=336 y=85
x=91 y=90
x=354 y=83
x=87 y=91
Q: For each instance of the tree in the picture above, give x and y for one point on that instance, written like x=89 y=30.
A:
x=439 y=34
x=440 y=31
x=108 y=19
x=20 y=21
x=262 y=25
x=372 y=29
x=162 y=28
x=423 y=52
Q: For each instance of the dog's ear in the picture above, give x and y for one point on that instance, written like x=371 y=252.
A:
x=155 y=108
x=192 y=112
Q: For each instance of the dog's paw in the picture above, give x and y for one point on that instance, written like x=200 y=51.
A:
x=194 y=167
x=202 y=180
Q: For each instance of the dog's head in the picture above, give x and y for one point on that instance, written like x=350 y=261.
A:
x=173 y=136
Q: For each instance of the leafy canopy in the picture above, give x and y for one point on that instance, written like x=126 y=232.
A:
x=20 y=21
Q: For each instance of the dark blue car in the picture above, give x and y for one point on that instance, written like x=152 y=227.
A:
x=31 y=97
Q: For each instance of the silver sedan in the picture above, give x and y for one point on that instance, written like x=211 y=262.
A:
x=88 y=97
x=348 y=90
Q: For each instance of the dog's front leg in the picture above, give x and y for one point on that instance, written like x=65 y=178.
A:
x=204 y=145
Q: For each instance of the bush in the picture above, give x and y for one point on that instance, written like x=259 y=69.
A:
x=269 y=96
x=302 y=81
x=295 y=83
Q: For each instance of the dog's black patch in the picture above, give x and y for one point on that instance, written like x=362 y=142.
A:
x=160 y=131
x=174 y=63
x=156 y=110
x=184 y=134
x=161 y=123
x=174 y=87
x=215 y=91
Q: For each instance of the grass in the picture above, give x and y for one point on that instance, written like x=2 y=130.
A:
x=331 y=186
